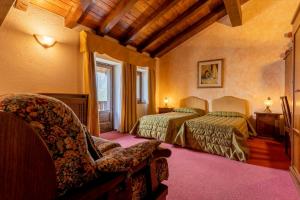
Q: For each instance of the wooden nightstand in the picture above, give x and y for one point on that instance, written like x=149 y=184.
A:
x=165 y=110
x=267 y=124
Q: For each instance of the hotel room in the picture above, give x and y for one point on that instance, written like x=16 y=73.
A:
x=150 y=99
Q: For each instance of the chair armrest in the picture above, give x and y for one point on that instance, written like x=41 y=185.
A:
x=161 y=152
x=115 y=160
x=124 y=159
x=142 y=151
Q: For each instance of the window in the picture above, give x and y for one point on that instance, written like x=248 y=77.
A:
x=104 y=87
x=142 y=85
x=102 y=80
x=139 y=84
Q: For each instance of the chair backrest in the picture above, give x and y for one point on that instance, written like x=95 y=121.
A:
x=286 y=111
x=77 y=102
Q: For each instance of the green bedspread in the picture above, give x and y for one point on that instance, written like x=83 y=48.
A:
x=218 y=134
x=163 y=127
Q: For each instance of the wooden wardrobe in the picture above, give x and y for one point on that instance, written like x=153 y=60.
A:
x=295 y=133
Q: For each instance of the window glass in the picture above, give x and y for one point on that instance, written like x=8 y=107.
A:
x=138 y=86
x=142 y=85
x=102 y=80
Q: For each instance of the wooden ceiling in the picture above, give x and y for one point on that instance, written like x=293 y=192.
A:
x=5 y=5
x=151 y=26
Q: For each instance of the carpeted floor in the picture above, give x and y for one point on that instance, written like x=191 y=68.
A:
x=201 y=176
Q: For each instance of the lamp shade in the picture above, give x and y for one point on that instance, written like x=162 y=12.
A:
x=166 y=100
x=268 y=102
x=45 y=41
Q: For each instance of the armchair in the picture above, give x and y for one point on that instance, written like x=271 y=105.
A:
x=46 y=154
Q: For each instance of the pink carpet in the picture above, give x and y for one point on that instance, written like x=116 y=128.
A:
x=201 y=176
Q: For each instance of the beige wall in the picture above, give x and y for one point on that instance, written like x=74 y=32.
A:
x=25 y=66
x=253 y=67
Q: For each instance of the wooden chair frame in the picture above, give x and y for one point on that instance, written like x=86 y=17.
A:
x=27 y=170
x=287 y=122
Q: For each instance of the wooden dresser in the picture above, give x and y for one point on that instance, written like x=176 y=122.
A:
x=295 y=133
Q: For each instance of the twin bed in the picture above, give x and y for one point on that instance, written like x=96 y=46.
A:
x=222 y=132
x=164 y=127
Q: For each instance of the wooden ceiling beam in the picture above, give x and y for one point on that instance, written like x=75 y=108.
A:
x=5 y=5
x=76 y=13
x=190 y=31
x=132 y=34
x=197 y=7
x=234 y=11
x=21 y=4
x=115 y=16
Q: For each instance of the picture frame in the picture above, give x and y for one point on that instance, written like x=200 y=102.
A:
x=210 y=73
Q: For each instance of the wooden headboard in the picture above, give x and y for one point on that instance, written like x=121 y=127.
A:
x=231 y=104
x=78 y=103
x=194 y=102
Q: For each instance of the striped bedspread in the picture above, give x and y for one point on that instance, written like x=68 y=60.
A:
x=163 y=127
x=216 y=133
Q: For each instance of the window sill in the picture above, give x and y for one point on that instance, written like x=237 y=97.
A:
x=141 y=102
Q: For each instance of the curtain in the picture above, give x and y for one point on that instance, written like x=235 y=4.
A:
x=129 y=103
x=89 y=87
x=151 y=91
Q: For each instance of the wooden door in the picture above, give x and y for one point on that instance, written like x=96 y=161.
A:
x=295 y=139
x=105 y=96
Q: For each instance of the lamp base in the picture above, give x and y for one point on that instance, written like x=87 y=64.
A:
x=267 y=110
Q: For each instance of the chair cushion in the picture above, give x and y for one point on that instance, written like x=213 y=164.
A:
x=104 y=145
x=61 y=131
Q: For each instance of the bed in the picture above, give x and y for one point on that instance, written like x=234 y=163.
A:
x=164 y=127
x=222 y=132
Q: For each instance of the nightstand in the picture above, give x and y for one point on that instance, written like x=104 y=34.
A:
x=165 y=109
x=267 y=124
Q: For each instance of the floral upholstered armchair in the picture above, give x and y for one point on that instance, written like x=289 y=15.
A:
x=85 y=167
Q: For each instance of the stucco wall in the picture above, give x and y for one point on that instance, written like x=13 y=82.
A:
x=253 y=68
x=25 y=66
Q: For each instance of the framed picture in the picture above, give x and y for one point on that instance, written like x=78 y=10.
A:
x=210 y=74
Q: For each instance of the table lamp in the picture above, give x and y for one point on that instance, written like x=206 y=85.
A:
x=268 y=102
x=166 y=101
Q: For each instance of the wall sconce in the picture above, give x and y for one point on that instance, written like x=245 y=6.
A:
x=45 y=41
x=166 y=101
x=268 y=102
